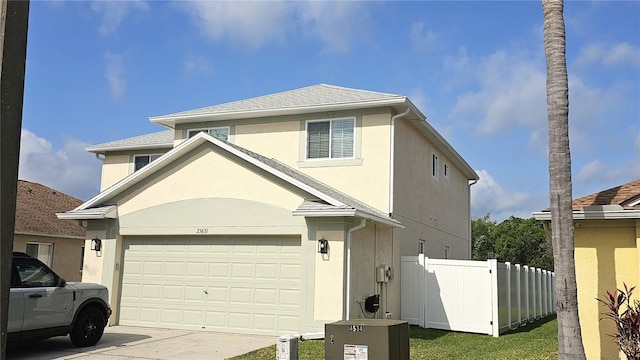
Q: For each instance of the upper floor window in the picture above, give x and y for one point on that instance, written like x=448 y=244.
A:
x=446 y=170
x=332 y=139
x=219 y=132
x=139 y=161
x=434 y=165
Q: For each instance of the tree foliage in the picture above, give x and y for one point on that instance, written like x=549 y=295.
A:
x=516 y=240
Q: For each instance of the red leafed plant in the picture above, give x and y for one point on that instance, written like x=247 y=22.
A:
x=627 y=320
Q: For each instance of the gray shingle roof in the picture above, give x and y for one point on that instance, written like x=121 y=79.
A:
x=161 y=139
x=310 y=96
x=314 y=204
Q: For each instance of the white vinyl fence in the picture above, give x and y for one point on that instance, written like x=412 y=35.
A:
x=484 y=297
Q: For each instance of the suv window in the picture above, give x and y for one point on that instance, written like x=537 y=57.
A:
x=33 y=274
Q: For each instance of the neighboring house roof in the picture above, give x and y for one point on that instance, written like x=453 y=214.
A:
x=156 y=140
x=622 y=201
x=321 y=97
x=626 y=195
x=333 y=202
x=36 y=207
x=316 y=98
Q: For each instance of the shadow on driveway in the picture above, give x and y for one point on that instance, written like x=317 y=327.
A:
x=61 y=346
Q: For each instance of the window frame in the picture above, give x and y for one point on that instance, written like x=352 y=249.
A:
x=150 y=156
x=447 y=170
x=193 y=132
x=435 y=165
x=422 y=244
x=49 y=259
x=353 y=121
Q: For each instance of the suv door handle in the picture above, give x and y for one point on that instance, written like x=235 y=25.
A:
x=33 y=296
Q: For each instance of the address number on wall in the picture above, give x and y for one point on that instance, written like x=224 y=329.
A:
x=202 y=231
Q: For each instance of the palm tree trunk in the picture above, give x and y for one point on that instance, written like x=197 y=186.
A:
x=569 y=335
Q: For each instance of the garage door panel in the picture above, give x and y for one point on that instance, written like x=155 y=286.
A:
x=236 y=284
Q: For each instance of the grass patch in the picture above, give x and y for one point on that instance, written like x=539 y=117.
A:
x=537 y=341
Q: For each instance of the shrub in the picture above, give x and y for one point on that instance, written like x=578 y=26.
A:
x=626 y=315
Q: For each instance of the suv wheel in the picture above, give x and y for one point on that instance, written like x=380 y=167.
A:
x=88 y=328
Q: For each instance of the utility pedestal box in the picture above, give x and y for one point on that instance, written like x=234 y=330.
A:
x=366 y=339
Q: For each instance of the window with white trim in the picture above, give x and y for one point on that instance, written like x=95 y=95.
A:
x=140 y=161
x=434 y=165
x=446 y=170
x=40 y=251
x=421 y=244
x=218 y=132
x=332 y=139
x=446 y=252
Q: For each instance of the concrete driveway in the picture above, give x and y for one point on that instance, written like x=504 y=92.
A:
x=127 y=342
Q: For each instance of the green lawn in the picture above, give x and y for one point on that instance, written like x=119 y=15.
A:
x=534 y=341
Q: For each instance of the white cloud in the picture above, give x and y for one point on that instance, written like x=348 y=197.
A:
x=114 y=12
x=420 y=39
x=255 y=24
x=602 y=173
x=71 y=170
x=335 y=23
x=114 y=73
x=512 y=92
x=610 y=54
x=247 y=23
x=487 y=196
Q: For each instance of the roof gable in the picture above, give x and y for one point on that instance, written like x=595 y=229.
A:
x=331 y=197
x=36 y=208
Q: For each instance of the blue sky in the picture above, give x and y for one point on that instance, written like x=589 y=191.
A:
x=97 y=70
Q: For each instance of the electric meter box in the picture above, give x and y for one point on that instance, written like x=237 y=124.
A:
x=366 y=339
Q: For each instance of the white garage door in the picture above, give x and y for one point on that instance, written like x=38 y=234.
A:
x=234 y=284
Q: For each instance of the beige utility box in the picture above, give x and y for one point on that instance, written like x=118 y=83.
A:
x=366 y=339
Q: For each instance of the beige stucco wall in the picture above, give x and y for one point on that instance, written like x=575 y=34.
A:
x=66 y=253
x=371 y=247
x=435 y=210
x=606 y=255
x=118 y=165
x=204 y=173
x=366 y=177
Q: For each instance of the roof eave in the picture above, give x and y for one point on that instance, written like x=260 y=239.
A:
x=171 y=120
x=102 y=150
x=593 y=215
x=349 y=213
x=108 y=212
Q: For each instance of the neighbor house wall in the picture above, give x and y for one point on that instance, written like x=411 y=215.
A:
x=606 y=256
x=435 y=210
x=67 y=253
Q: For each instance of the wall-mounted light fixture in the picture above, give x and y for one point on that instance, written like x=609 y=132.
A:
x=323 y=246
x=96 y=244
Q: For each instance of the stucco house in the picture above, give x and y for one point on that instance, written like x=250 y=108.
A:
x=39 y=233
x=274 y=214
x=607 y=255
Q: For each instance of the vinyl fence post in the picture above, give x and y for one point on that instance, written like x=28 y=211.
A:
x=493 y=274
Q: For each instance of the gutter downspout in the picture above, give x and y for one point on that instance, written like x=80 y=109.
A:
x=391 y=162
x=470 y=239
x=363 y=223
